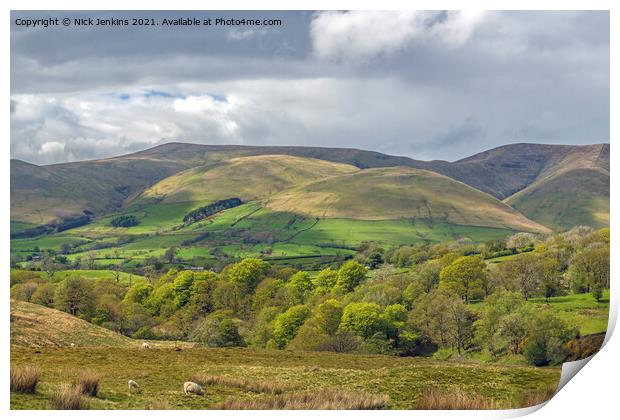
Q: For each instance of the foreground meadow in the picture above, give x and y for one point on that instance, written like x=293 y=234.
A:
x=241 y=377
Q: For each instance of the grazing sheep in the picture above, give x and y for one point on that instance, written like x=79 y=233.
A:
x=133 y=386
x=146 y=346
x=72 y=344
x=192 y=388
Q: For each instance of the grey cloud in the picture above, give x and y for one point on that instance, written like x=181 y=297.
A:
x=519 y=76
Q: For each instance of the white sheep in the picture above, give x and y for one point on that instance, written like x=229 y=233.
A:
x=72 y=344
x=146 y=346
x=133 y=386
x=192 y=388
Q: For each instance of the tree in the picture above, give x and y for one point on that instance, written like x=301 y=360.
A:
x=90 y=259
x=326 y=278
x=362 y=318
x=138 y=293
x=218 y=329
x=288 y=323
x=496 y=306
x=550 y=274
x=522 y=273
x=350 y=275
x=328 y=316
x=170 y=254
x=546 y=338
x=44 y=295
x=299 y=287
x=73 y=295
x=590 y=268
x=50 y=266
x=248 y=273
x=182 y=287
x=465 y=276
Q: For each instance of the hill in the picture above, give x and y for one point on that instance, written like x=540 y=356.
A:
x=37 y=326
x=43 y=194
x=248 y=178
x=399 y=193
x=572 y=190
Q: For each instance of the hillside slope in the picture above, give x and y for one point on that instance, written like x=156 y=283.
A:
x=42 y=194
x=248 y=178
x=572 y=191
x=37 y=326
x=397 y=193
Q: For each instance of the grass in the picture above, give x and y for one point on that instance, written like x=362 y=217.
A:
x=437 y=399
x=87 y=382
x=582 y=309
x=161 y=373
x=320 y=400
x=38 y=326
x=68 y=397
x=264 y=387
x=24 y=379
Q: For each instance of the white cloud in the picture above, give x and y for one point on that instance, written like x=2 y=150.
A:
x=362 y=35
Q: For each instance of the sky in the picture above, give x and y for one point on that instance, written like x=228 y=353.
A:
x=424 y=84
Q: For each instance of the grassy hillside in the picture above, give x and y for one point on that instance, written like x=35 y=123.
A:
x=161 y=373
x=248 y=178
x=38 y=326
x=41 y=194
x=400 y=193
x=574 y=191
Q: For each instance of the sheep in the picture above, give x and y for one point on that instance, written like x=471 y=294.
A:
x=192 y=388
x=72 y=344
x=146 y=346
x=133 y=386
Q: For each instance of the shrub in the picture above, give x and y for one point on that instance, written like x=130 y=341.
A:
x=87 y=382
x=312 y=400
x=24 y=379
x=67 y=398
x=436 y=399
x=124 y=221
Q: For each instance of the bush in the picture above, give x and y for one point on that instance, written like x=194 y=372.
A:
x=24 y=379
x=124 y=221
x=87 y=382
x=67 y=398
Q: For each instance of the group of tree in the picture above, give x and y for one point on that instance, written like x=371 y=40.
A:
x=366 y=304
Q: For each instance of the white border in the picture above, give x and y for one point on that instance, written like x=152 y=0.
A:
x=593 y=394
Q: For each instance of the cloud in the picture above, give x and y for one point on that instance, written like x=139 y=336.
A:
x=363 y=35
x=430 y=85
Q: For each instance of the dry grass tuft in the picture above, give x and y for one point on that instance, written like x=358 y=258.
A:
x=160 y=405
x=311 y=400
x=437 y=399
x=87 y=382
x=533 y=398
x=68 y=398
x=24 y=379
x=265 y=387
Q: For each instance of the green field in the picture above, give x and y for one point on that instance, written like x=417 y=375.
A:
x=162 y=371
x=247 y=230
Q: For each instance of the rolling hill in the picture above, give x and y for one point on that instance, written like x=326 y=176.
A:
x=533 y=178
x=572 y=190
x=248 y=178
x=37 y=326
x=400 y=193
